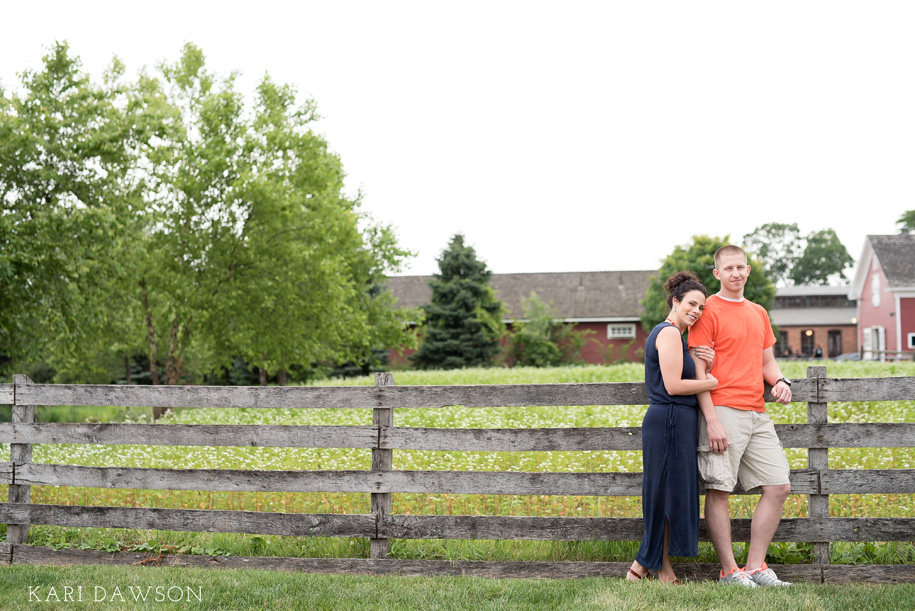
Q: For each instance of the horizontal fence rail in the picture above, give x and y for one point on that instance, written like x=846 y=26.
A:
x=380 y=482
x=337 y=397
x=531 y=528
x=803 y=481
x=411 y=438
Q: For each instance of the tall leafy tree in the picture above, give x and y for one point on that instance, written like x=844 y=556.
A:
x=699 y=258
x=779 y=245
x=69 y=200
x=464 y=321
x=823 y=261
x=816 y=258
x=257 y=250
x=169 y=216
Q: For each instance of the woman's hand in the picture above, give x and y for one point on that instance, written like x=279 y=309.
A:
x=707 y=354
x=709 y=376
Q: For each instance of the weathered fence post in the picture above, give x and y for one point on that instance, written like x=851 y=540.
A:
x=382 y=460
x=818 y=458
x=20 y=453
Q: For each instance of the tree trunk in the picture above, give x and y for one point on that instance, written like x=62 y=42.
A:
x=182 y=348
x=158 y=412
x=263 y=376
x=151 y=332
x=281 y=377
x=171 y=363
x=127 y=369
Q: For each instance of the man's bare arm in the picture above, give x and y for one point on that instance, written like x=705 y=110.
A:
x=717 y=437
x=771 y=374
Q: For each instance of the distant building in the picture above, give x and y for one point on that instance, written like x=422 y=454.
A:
x=606 y=303
x=808 y=317
x=884 y=287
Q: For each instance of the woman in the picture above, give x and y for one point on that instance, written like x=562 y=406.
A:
x=670 y=482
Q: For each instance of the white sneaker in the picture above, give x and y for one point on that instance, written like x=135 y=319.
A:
x=736 y=578
x=766 y=577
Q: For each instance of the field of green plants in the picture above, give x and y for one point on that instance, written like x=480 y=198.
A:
x=456 y=417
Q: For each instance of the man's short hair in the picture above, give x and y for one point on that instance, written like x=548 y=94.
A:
x=728 y=249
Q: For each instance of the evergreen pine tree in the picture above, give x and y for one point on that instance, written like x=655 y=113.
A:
x=464 y=321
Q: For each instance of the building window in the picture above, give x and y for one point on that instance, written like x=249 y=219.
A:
x=875 y=290
x=911 y=342
x=782 y=344
x=807 y=343
x=835 y=343
x=621 y=331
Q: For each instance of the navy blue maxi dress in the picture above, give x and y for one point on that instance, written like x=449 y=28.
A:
x=670 y=483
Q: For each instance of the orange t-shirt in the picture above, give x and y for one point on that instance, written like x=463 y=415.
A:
x=739 y=332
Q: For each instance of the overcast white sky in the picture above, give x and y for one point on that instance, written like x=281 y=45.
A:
x=560 y=136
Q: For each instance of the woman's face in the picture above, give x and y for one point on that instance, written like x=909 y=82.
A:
x=689 y=309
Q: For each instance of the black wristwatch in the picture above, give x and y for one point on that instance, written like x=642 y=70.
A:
x=785 y=380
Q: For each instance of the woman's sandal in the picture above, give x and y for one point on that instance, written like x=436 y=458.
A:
x=646 y=576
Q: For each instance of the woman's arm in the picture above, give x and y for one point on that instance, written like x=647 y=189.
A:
x=670 y=356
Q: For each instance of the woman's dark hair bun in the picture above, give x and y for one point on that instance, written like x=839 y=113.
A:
x=680 y=284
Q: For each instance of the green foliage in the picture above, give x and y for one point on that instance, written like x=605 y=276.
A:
x=699 y=258
x=788 y=553
x=817 y=258
x=778 y=245
x=615 y=354
x=464 y=321
x=825 y=259
x=540 y=340
x=166 y=217
x=906 y=222
x=69 y=200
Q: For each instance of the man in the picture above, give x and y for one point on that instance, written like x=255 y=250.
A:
x=737 y=440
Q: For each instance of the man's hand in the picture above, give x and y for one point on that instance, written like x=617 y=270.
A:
x=717 y=438
x=782 y=393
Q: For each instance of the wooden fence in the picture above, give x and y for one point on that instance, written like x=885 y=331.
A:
x=817 y=481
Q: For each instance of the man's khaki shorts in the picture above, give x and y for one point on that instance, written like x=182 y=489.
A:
x=754 y=457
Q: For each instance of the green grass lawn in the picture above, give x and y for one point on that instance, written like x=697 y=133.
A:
x=214 y=589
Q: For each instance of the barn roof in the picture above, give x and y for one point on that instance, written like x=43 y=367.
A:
x=575 y=295
x=896 y=254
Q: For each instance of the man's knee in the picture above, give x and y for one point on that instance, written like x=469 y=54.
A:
x=780 y=491
x=716 y=497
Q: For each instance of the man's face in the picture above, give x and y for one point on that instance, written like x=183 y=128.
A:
x=732 y=271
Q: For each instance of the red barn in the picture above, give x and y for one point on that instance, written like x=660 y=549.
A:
x=606 y=303
x=884 y=286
